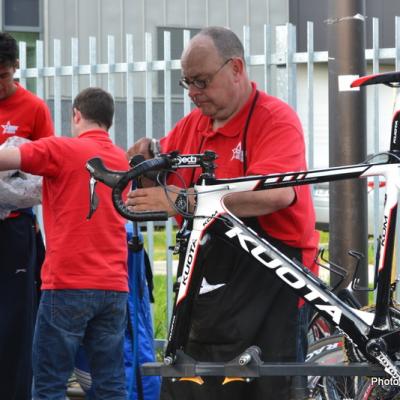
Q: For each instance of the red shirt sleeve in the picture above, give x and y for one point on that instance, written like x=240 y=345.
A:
x=42 y=157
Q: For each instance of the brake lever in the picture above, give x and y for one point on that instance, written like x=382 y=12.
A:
x=93 y=198
x=118 y=180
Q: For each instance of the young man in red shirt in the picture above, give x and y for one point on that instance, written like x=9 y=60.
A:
x=84 y=275
x=252 y=133
x=21 y=247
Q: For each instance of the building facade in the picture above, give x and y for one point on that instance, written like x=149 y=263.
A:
x=94 y=34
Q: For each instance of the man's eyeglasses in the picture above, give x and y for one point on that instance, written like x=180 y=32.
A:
x=201 y=83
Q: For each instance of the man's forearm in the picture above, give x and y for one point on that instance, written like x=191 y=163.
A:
x=252 y=204
x=10 y=158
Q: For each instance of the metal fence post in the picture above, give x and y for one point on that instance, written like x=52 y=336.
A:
x=310 y=93
x=57 y=87
x=286 y=68
x=149 y=125
x=167 y=128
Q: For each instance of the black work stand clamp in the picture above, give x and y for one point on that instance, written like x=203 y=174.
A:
x=248 y=365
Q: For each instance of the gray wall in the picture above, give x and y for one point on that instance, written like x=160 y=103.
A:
x=99 y=18
x=82 y=19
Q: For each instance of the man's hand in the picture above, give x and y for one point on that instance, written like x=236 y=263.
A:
x=155 y=199
x=152 y=199
x=142 y=146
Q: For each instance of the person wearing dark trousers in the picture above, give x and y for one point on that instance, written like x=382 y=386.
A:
x=21 y=247
x=84 y=276
x=239 y=304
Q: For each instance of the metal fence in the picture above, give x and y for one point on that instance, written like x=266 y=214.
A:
x=141 y=111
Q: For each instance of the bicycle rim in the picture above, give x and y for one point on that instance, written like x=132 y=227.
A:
x=318 y=329
x=330 y=350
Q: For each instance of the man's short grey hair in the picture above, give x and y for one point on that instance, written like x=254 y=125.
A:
x=226 y=42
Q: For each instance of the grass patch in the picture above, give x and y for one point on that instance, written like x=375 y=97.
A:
x=160 y=306
x=324 y=242
x=160 y=243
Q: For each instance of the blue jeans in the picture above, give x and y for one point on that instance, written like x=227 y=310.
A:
x=67 y=318
x=302 y=332
x=299 y=383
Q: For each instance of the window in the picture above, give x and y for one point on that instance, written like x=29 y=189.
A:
x=176 y=52
x=22 y=19
x=22 y=15
x=30 y=39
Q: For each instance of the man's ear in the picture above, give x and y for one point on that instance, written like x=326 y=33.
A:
x=16 y=65
x=76 y=115
x=238 y=66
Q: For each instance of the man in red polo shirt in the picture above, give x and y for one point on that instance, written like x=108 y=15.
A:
x=84 y=275
x=25 y=115
x=252 y=133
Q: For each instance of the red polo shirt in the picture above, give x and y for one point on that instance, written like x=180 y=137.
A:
x=24 y=114
x=274 y=143
x=81 y=253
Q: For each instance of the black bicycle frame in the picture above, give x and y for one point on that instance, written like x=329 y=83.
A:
x=355 y=324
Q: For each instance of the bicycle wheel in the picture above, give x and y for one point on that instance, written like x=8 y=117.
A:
x=371 y=390
x=331 y=350
x=318 y=329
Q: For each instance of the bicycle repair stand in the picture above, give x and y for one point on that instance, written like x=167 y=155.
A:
x=249 y=365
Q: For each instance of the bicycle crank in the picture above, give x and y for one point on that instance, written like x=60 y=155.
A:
x=377 y=349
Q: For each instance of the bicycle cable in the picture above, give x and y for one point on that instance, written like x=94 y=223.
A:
x=162 y=181
x=383 y=153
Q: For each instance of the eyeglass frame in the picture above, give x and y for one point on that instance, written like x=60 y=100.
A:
x=201 y=83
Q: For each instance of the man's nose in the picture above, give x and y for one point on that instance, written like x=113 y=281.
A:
x=193 y=90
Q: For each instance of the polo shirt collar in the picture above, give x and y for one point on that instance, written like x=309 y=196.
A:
x=94 y=133
x=233 y=126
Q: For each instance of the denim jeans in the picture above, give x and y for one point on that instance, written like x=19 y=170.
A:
x=299 y=383
x=304 y=317
x=67 y=318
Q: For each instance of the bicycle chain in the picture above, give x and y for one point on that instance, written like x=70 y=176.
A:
x=352 y=354
x=382 y=358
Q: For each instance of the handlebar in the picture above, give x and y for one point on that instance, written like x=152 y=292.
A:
x=118 y=180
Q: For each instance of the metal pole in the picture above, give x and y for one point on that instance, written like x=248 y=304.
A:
x=347 y=137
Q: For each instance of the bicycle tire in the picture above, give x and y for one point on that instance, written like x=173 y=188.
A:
x=331 y=350
x=319 y=328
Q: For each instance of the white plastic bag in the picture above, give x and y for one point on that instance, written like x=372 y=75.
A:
x=18 y=189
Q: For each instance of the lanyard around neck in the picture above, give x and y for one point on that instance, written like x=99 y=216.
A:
x=246 y=127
